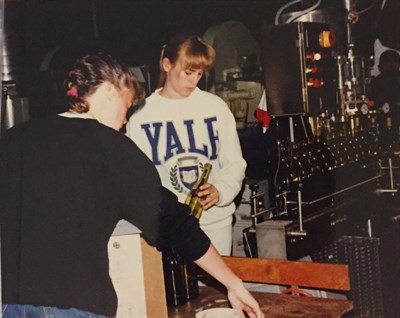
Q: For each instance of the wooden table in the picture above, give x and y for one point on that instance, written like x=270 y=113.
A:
x=273 y=305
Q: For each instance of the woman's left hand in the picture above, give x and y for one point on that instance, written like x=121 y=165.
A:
x=209 y=195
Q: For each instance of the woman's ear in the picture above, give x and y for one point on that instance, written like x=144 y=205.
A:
x=166 y=64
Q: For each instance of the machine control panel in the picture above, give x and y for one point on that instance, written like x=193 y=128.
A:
x=299 y=68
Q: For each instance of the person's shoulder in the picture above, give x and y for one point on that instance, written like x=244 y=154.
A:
x=13 y=132
x=149 y=103
x=215 y=103
x=30 y=132
x=210 y=97
x=206 y=94
x=154 y=95
x=109 y=134
x=114 y=142
x=153 y=98
x=31 y=125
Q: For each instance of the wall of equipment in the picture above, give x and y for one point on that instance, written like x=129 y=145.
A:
x=325 y=175
x=329 y=158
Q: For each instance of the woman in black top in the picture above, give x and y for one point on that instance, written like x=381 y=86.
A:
x=66 y=181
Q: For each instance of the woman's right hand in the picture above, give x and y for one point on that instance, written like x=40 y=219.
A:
x=241 y=299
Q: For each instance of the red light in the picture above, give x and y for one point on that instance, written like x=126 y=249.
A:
x=314 y=82
x=315 y=69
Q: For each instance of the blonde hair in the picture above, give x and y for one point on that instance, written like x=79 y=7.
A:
x=191 y=51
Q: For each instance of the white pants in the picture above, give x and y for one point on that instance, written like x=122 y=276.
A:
x=221 y=238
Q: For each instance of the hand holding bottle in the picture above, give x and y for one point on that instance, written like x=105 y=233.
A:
x=209 y=195
x=194 y=199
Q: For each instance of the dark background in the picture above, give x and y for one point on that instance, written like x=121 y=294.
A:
x=57 y=31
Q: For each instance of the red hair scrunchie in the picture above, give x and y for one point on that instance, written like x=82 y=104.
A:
x=72 y=92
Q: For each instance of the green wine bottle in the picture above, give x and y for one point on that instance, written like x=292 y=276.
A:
x=192 y=200
x=174 y=278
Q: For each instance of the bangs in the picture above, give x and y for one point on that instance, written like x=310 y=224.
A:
x=197 y=59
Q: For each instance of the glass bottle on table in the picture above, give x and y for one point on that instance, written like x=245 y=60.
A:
x=174 y=279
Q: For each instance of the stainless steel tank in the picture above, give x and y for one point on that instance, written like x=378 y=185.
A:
x=14 y=107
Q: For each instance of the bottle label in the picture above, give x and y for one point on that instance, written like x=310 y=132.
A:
x=192 y=199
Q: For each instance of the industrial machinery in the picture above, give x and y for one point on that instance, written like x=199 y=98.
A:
x=329 y=155
x=330 y=149
x=237 y=73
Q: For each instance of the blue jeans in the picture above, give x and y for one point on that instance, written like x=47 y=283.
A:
x=28 y=311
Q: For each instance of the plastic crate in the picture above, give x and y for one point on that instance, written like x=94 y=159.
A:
x=361 y=254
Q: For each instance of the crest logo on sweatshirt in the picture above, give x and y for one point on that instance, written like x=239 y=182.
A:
x=186 y=172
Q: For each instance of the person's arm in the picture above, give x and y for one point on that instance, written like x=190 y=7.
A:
x=238 y=295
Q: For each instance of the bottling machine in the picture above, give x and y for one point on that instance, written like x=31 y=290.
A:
x=323 y=176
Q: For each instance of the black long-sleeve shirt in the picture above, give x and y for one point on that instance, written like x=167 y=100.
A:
x=64 y=185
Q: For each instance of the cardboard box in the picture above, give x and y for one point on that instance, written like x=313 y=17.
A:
x=137 y=274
